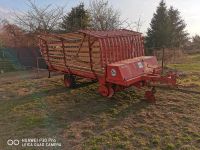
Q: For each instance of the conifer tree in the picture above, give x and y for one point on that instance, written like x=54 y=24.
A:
x=178 y=35
x=158 y=33
x=167 y=29
x=77 y=18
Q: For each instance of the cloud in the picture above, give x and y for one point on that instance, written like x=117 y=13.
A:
x=7 y=14
x=130 y=9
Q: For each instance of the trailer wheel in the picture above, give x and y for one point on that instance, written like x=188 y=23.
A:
x=106 y=91
x=69 y=81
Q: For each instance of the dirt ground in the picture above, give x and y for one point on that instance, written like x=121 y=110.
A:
x=33 y=106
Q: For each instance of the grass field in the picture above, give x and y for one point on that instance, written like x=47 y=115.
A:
x=81 y=119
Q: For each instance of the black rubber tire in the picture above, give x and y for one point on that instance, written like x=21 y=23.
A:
x=69 y=81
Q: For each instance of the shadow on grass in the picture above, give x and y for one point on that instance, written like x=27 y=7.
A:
x=95 y=107
x=63 y=107
x=187 y=91
x=67 y=107
x=84 y=84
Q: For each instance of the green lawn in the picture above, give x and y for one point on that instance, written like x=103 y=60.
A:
x=81 y=119
x=190 y=64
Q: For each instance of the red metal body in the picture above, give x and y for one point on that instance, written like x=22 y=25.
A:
x=114 y=58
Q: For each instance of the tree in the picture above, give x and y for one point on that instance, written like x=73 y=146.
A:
x=196 y=42
x=178 y=35
x=158 y=33
x=138 y=24
x=1 y=41
x=78 y=18
x=103 y=16
x=1 y=49
x=167 y=28
x=38 y=19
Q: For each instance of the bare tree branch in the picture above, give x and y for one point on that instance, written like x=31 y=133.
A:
x=38 y=19
x=104 y=17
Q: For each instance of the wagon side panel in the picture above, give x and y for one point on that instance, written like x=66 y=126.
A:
x=121 y=48
x=72 y=52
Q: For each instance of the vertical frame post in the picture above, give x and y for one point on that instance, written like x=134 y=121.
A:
x=163 y=56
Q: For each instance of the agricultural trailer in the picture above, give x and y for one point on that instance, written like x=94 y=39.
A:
x=114 y=58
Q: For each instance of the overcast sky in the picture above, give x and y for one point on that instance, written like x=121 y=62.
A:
x=130 y=9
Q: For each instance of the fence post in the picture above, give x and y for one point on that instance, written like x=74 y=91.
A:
x=37 y=68
x=49 y=74
x=163 y=56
